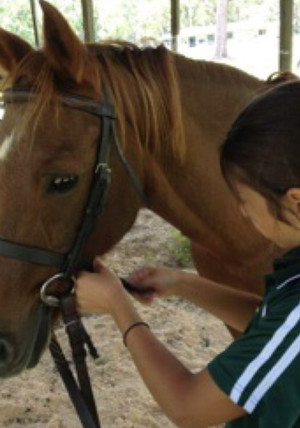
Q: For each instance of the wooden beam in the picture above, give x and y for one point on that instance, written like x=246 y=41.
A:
x=286 y=35
x=34 y=22
x=88 y=20
x=175 y=23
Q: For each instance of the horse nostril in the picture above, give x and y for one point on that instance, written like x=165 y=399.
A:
x=6 y=353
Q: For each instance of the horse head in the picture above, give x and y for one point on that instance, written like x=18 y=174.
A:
x=47 y=165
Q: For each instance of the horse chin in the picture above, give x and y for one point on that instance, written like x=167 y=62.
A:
x=42 y=337
x=34 y=342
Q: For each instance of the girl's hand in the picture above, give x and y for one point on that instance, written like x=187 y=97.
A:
x=99 y=291
x=155 y=282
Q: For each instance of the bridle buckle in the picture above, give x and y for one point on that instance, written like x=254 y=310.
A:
x=51 y=300
x=102 y=166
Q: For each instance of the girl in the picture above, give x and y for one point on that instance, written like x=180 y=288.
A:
x=255 y=382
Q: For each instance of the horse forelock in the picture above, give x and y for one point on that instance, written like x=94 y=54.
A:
x=142 y=82
x=35 y=73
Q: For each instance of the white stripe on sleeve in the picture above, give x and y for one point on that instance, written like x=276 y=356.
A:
x=269 y=380
x=265 y=354
x=287 y=281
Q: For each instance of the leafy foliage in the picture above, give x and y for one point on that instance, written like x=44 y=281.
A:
x=179 y=247
x=16 y=17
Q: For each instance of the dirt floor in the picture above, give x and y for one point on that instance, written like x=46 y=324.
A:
x=37 y=398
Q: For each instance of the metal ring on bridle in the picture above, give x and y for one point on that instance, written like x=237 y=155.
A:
x=47 y=298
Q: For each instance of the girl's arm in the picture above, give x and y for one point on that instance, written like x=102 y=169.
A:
x=233 y=307
x=189 y=400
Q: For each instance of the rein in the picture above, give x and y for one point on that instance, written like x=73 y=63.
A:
x=68 y=264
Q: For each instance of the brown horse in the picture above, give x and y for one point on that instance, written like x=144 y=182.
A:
x=172 y=115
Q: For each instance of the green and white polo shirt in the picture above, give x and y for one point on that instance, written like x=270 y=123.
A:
x=260 y=371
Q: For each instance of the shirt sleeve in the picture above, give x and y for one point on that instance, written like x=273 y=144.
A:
x=263 y=363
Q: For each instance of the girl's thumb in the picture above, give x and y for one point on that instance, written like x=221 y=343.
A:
x=97 y=264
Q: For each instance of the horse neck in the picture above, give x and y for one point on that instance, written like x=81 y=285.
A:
x=213 y=93
x=182 y=192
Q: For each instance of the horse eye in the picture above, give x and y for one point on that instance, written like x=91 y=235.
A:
x=62 y=184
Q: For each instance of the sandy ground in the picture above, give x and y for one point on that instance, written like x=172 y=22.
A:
x=37 y=398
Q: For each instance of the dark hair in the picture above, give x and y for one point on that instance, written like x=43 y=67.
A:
x=262 y=148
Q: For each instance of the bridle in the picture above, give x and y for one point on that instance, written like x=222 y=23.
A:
x=68 y=264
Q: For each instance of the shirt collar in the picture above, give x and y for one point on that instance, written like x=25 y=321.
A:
x=285 y=267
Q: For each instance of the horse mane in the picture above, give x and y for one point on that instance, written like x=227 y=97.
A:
x=142 y=84
x=144 y=87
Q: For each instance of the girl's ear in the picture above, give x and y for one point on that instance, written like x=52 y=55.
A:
x=293 y=196
x=12 y=50
x=291 y=201
x=63 y=49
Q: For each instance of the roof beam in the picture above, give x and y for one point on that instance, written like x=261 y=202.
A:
x=88 y=20
x=286 y=35
x=34 y=22
x=175 y=23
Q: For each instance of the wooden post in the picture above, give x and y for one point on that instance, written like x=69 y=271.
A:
x=175 y=23
x=88 y=20
x=286 y=35
x=34 y=22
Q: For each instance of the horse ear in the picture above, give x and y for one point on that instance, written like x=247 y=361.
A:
x=64 y=50
x=12 y=50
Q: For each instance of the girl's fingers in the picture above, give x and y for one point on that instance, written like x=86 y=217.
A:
x=141 y=276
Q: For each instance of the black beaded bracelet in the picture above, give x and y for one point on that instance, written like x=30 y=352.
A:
x=136 y=324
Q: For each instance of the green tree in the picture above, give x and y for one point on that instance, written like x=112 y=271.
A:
x=132 y=20
x=16 y=17
x=194 y=12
